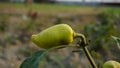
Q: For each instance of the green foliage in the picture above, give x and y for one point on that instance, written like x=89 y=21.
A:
x=30 y=61
x=99 y=59
x=117 y=40
x=99 y=34
x=3 y=23
x=35 y=59
x=2 y=26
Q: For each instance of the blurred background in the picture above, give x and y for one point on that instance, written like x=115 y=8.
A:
x=98 y=20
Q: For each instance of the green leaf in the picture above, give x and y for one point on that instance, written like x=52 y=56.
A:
x=34 y=60
x=37 y=62
x=117 y=41
x=99 y=59
x=95 y=54
x=28 y=62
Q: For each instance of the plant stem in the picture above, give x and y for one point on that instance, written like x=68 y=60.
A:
x=89 y=57
x=78 y=35
x=83 y=44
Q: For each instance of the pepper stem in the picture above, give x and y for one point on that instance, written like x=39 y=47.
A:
x=92 y=62
x=83 y=45
x=78 y=35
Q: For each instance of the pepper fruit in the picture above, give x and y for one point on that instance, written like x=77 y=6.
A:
x=61 y=34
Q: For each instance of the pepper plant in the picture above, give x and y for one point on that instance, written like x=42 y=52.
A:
x=57 y=40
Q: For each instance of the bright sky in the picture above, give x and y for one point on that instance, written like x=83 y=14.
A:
x=91 y=0
x=69 y=0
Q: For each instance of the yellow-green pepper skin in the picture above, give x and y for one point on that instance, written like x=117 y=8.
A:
x=61 y=34
x=111 y=64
